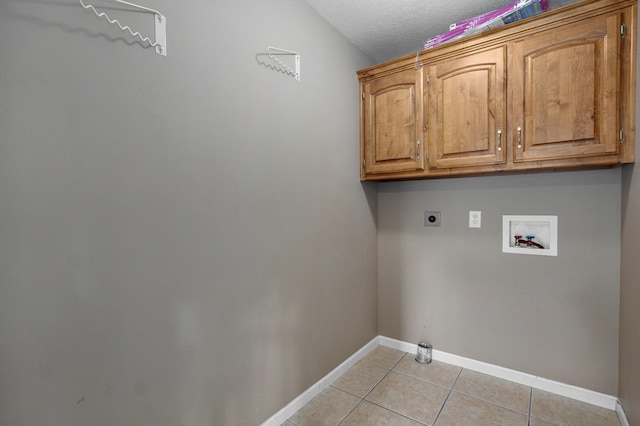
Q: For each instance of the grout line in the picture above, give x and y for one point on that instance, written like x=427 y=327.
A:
x=363 y=399
x=457 y=377
x=383 y=377
x=345 y=391
x=486 y=401
x=447 y=398
x=349 y=413
x=497 y=404
x=530 y=405
x=380 y=381
x=395 y=412
x=402 y=373
x=407 y=374
x=363 y=360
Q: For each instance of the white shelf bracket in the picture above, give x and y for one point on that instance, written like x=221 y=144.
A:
x=160 y=23
x=275 y=51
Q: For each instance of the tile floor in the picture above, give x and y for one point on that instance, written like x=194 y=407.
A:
x=388 y=387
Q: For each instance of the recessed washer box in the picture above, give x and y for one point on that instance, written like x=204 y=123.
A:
x=530 y=234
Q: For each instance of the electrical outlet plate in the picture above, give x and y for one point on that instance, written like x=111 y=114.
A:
x=475 y=219
x=431 y=218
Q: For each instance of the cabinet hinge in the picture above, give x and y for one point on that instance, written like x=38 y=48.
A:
x=621 y=135
x=364 y=163
x=427 y=80
x=426 y=155
x=623 y=30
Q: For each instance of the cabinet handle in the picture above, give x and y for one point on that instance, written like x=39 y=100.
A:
x=418 y=149
x=499 y=140
x=519 y=137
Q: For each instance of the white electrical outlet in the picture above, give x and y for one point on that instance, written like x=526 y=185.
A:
x=475 y=219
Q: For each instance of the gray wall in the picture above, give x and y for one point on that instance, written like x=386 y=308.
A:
x=184 y=239
x=555 y=317
x=629 y=373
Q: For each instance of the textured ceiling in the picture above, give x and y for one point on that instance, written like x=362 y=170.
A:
x=386 y=29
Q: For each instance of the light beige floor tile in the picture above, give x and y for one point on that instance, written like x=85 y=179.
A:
x=438 y=373
x=463 y=410
x=409 y=396
x=533 y=421
x=328 y=408
x=497 y=391
x=383 y=357
x=372 y=415
x=360 y=379
x=565 y=411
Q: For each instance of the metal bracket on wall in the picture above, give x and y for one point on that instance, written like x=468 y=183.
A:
x=274 y=51
x=160 y=22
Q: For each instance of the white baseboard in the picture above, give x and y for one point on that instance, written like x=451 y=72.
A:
x=585 y=395
x=621 y=415
x=306 y=396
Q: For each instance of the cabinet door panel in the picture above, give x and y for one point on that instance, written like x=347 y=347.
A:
x=394 y=119
x=467 y=110
x=566 y=93
x=393 y=123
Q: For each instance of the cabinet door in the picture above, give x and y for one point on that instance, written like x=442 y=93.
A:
x=467 y=120
x=392 y=124
x=566 y=91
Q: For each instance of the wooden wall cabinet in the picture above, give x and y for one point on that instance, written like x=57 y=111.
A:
x=392 y=123
x=467 y=110
x=552 y=92
x=566 y=91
